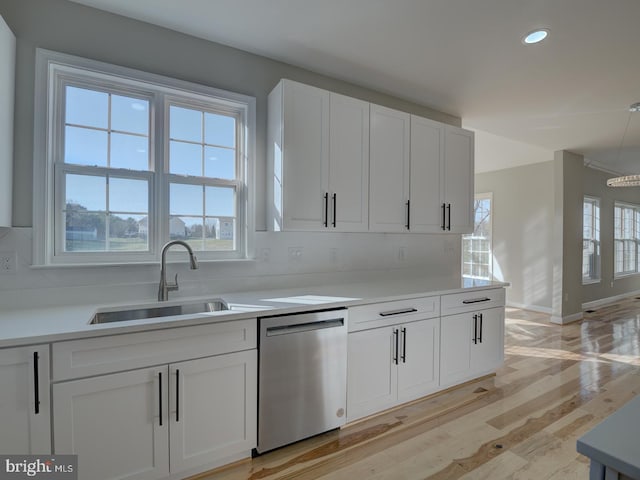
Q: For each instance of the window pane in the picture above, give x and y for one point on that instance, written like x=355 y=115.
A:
x=85 y=147
x=185 y=159
x=185 y=124
x=220 y=163
x=127 y=233
x=129 y=151
x=128 y=195
x=185 y=199
x=84 y=231
x=130 y=114
x=220 y=201
x=219 y=130
x=87 y=107
x=86 y=192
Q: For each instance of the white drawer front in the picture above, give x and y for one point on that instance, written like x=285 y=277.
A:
x=471 y=301
x=392 y=313
x=95 y=356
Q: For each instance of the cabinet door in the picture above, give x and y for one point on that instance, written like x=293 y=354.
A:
x=458 y=179
x=388 y=169
x=418 y=370
x=488 y=354
x=305 y=169
x=349 y=164
x=371 y=372
x=426 y=186
x=24 y=376
x=456 y=341
x=118 y=424
x=213 y=410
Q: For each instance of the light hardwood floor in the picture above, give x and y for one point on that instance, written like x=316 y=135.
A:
x=556 y=384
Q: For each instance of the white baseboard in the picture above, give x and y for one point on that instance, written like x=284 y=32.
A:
x=604 y=301
x=533 y=308
x=567 y=319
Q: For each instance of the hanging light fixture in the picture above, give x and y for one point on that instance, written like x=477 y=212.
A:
x=627 y=180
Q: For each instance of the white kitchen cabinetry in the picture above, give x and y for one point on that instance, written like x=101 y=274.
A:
x=392 y=364
x=472 y=342
x=24 y=401
x=389 y=170
x=7 y=100
x=441 y=187
x=166 y=421
x=318 y=154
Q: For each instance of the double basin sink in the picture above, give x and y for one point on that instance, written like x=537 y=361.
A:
x=158 y=311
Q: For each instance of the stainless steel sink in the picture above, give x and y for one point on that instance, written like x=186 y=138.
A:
x=143 y=313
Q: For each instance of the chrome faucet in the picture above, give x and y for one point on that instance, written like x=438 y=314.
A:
x=165 y=287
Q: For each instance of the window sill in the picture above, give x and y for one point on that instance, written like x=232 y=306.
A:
x=155 y=263
x=591 y=281
x=621 y=276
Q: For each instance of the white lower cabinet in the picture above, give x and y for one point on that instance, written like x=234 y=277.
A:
x=24 y=401
x=472 y=344
x=391 y=365
x=156 y=422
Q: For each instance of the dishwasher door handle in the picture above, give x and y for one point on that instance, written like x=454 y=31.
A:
x=304 y=327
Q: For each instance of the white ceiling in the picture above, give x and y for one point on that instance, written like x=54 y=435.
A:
x=464 y=57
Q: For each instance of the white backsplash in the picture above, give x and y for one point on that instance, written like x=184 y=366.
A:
x=282 y=260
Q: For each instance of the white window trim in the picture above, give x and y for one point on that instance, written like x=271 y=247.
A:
x=483 y=196
x=586 y=280
x=625 y=274
x=51 y=64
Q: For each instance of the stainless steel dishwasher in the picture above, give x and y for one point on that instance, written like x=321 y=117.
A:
x=302 y=376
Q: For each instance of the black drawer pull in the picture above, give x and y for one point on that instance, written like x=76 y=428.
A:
x=400 y=311
x=476 y=300
x=36 y=383
x=160 y=397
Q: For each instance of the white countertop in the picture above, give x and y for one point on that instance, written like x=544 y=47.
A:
x=43 y=325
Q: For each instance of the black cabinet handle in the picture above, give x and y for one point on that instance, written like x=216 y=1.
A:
x=326 y=209
x=476 y=300
x=480 y=328
x=404 y=345
x=177 y=395
x=400 y=311
x=395 y=353
x=443 y=217
x=36 y=382
x=449 y=216
x=408 y=214
x=475 y=329
x=160 y=396
x=335 y=195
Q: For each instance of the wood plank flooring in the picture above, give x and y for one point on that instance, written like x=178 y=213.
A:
x=557 y=383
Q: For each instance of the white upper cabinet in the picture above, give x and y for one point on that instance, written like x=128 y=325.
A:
x=7 y=91
x=458 y=179
x=441 y=177
x=341 y=164
x=348 y=209
x=319 y=157
x=389 y=170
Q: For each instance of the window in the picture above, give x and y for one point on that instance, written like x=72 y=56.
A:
x=591 y=240
x=477 y=258
x=625 y=239
x=132 y=160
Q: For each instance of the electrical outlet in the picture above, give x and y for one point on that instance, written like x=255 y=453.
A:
x=295 y=254
x=333 y=254
x=402 y=253
x=7 y=263
x=265 y=255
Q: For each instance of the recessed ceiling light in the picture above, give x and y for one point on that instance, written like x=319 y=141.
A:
x=535 y=36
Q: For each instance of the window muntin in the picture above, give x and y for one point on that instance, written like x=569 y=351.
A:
x=626 y=238
x=591 y=240
x=477 y=257
x=107 y=179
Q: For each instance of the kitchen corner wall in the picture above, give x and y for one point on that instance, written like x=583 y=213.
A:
x=71 y=28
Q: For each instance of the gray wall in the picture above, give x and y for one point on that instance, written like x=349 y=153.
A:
x=70 y=28
x=523 y=214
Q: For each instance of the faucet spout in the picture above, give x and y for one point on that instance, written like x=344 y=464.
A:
x=165 y=287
